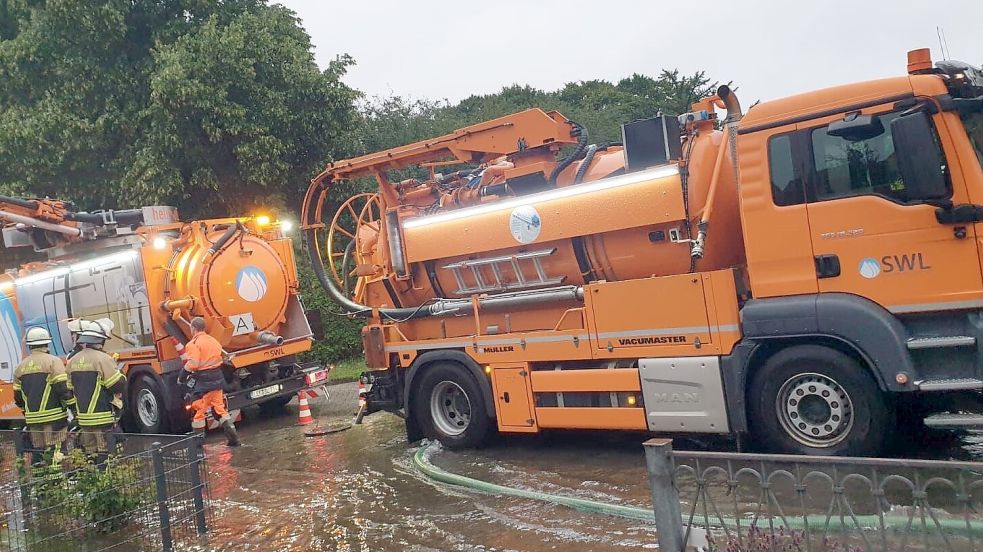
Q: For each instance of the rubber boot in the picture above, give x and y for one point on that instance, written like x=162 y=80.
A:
x=230 y=433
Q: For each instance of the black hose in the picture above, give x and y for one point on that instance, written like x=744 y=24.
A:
x=174 y=330
x=684 y=181
x=126 y=217
x=20 y=202
x=496 y=190
x=344 y=263
x=582 y=136
x=220 y=243
x=353 y=308
x=585 y=164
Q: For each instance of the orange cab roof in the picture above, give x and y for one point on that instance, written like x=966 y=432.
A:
x=824 y=99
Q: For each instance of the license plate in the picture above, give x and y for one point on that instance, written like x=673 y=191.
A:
x=266 y=391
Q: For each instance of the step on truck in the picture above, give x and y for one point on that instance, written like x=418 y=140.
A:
x=806 y=274
x=150 y=274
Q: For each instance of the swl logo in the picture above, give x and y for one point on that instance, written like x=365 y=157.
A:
x=251 y=284
x=869 y=268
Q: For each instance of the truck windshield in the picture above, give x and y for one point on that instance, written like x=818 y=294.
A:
x=974 y=128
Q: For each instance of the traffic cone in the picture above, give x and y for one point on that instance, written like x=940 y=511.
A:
x=362 y=404
x=304 y=416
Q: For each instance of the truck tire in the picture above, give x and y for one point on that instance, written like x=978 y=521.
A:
x=809 y=399
x=149 y=410
x=450 y=407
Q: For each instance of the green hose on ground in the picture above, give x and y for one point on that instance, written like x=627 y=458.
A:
x=592 y=506
x=950 y=527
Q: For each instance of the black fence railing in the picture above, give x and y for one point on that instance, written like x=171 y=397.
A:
x=736 y=502
x=148 y=493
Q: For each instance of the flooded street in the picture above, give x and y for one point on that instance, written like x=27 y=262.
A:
x=358 y=489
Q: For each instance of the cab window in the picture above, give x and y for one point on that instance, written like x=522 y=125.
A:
x=813 y=165
x=786 y=182
x=844 y=168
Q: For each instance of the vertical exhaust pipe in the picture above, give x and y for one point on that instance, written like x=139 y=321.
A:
x=733 y=106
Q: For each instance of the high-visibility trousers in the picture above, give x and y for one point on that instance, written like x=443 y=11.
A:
x=214 y=400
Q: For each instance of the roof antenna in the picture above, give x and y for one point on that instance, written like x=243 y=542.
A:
x=938 y=31
x=945 y=40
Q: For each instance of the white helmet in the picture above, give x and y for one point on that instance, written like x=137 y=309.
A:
x=95 y=331
x=37 y=337
x=75 y=325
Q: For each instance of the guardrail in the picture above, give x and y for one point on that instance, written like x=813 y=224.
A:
x=149 y=494
x=737 y=502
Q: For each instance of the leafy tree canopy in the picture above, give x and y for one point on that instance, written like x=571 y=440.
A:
x=211 y=105
x=599 y=105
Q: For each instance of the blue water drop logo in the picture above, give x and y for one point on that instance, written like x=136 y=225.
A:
x=869 y=268
x=251 y=284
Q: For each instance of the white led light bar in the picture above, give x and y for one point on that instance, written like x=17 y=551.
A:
x=84 y=265
x=533 y=199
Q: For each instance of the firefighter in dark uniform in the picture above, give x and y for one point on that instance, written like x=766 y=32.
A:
x=95 y=380
x=74 y=327
x=42 y=391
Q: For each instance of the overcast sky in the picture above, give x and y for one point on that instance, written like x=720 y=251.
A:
x=451 y=49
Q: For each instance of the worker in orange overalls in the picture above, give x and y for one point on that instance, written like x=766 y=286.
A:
x=203 y=373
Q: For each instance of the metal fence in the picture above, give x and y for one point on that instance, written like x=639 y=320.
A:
x=735 y=502
x=150 y=494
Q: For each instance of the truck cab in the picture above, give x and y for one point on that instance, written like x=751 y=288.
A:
x=861 y=209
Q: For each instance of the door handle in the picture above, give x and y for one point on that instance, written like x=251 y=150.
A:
x=505 y=396
x=827 y=266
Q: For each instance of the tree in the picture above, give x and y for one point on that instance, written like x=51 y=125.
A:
x=599 y=105
x=210 y=105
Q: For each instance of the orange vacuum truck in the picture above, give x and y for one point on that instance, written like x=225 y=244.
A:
x=803 y=273
x=149 y=274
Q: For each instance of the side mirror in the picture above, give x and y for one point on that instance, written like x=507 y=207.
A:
x=856 y=127
x=919 y=159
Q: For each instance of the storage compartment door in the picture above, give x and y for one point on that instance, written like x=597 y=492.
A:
x=513 y=399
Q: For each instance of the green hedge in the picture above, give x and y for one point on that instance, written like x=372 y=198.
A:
x=342 y=337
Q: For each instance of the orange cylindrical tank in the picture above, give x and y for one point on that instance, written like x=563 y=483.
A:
x=243 y=283
x=611 y=227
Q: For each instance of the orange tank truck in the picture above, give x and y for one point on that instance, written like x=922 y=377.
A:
x=150 y=274
x=806 y=274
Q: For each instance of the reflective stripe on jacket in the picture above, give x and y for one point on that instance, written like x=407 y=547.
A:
x=95 y=379
x=42 y=384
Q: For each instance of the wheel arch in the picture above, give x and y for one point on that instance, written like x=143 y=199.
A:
x=848 y=323
x=455 y=356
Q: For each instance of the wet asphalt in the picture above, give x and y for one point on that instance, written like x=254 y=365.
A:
x=358 y=490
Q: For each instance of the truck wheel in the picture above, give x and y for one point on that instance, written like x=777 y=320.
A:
x=147 y=403
x=809 y=399
x=449 y=407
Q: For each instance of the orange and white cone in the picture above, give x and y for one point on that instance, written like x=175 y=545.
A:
x=304 y=416
x=362 y=404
